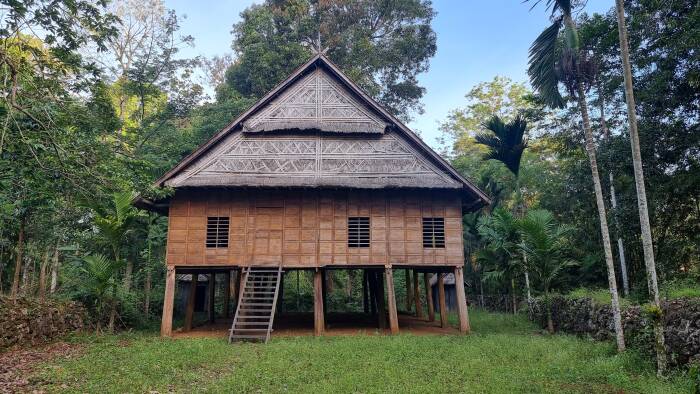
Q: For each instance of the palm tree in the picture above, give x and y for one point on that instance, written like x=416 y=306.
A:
x=500 y=234
x=546 y=245
x=507 y=143
x=555 y=58
x=114 y=222
x=100 y=283
x=641 y=191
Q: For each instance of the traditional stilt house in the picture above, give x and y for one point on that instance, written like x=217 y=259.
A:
x=314 y=176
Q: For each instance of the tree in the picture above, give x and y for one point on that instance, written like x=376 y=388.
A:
x=557 y=59
x=546 y=245
x=381 y=45
x=500 y=253
x=100 y=283
x=641 y=190
x=506 y=144
x=114 y=222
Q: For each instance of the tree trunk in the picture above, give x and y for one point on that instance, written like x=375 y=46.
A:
x=127 y=275
x=512 y=293
x=548 y=306
x=25 y=288
x=54 y=271
x=348 y=287
x=527 y=285
x=409 y=293
x=613 y=199
x=481 y=291
x=647 y=244
x=329 y=281
x=18 y=259
x=147 y=293
x=42 y=276
x=620 y=246
x=612 y=282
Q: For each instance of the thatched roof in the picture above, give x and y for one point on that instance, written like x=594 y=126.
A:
x=317 y=129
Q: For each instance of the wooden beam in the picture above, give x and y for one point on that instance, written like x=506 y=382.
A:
x=212 y=292
x=409 y=294
x=441 y=300
x=391 y=299
x=319 y=321
x=191 y=298
x=429 y=297
x=416 y=295
x=166 y=324
x=227 y=293
x=462 y=310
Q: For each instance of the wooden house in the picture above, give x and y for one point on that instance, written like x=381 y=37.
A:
x=314 y=176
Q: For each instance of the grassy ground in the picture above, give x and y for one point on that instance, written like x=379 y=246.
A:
x=504 y=354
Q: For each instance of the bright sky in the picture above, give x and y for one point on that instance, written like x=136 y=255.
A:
x=476 y=40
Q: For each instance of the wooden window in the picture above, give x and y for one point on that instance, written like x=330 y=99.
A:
x=433 y=232
x=217 y=231
x=358 y=232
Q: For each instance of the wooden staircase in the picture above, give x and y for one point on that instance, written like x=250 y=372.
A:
x=257 y=301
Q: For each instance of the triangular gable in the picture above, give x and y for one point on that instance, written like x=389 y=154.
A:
x=213 y=163
x=316 y=102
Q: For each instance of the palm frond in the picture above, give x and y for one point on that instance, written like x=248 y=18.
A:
x=542 y=65
x=507 y=142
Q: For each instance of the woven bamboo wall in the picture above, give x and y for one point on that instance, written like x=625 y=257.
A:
x=309 y=228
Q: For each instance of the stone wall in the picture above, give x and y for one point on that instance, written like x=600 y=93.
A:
x=29 y=321
x=583 y=316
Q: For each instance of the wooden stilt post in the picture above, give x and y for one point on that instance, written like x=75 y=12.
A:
x=212 y=291
x=416 y=295
x=319 y=321
x=409 y=294
x=462 y=310
x=429 y=297
x=365 y=294
x=191 y=298
x=166 y=324
x=227 y=293
x=391 y=299
x=441 y=300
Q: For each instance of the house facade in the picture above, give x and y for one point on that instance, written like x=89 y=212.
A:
x=316 y=176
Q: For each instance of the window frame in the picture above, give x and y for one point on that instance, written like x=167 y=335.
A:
x=217 y=232
x=362 y=228
x=433 y=231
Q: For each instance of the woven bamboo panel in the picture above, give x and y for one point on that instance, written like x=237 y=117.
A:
x=308 y=228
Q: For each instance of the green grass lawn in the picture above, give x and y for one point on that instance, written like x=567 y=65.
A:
x=504 y=354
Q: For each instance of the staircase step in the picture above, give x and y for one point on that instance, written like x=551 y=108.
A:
x=252 y=323
x=234 y=336
x=256 y=310
x=256 y=304
x=249 y=330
